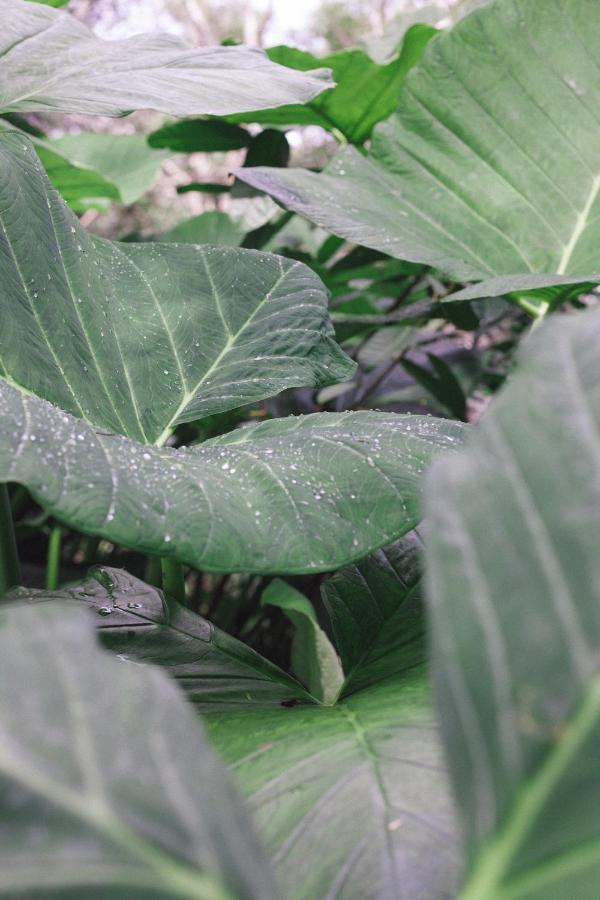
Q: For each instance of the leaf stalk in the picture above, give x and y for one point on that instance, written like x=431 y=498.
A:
x=10 y=570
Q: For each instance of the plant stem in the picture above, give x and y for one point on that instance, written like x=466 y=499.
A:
x=10 y=571
x=53 y=559
x=153 y=571
x=173 y=582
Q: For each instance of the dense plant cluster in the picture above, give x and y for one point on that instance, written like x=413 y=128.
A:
x=254 y=497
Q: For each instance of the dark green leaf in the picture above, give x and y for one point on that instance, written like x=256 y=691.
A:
x=288 y=495
x=136 y=622
x=377 y=617
x=200 y=135
x=135 y=338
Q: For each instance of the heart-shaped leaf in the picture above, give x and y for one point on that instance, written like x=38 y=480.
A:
x=135 y=338
x=108 y=785
x=50 y=61
x=513 y=570
x=288 y=495
x=497 y=175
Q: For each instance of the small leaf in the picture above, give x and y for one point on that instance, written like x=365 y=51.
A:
x=200 y=136
x=107 y=773
x=314 y=660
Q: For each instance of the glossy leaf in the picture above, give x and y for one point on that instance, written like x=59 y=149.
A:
x=365 y=92
x=313 y=658
x=51 y=62
x=136 y=622
x=513 y=581
x=287 y=495
x=135 y=338
x=106 y=774
x=482 y=177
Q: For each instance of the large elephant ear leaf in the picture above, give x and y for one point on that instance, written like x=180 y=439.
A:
x=106 y=771
x=134 y=338
x=51 y=62
x=497 y=175
x=289 y=495
x=359 y=788
x=513 y=570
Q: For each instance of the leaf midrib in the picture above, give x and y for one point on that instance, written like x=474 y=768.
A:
x=490 y=877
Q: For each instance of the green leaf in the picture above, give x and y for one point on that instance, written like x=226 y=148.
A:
x=358 y=788
x=51 y=62
x=513 y=571
x=213 y=227
x=376 y=614
x=136 y=622
x=314 y=660
x=288 y=495
x=365 y=92
x=55 y=3
x=124 y=160
x=200 y=136
x=497 y=175
x=440 y=382
x=107 y=774
x=135 y=338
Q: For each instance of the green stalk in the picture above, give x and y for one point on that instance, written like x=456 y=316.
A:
x=10 y=571
x=173 y=582
x=53 y=559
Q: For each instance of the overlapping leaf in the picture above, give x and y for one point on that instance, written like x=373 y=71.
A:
x=288 y=495
x=136 y=622
x=134 y=338
x=76 y=163
x=514 y=571
x=50 y=61
x=364 y=94
x=358 y=788
x=491 y=165
x=108 y=786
